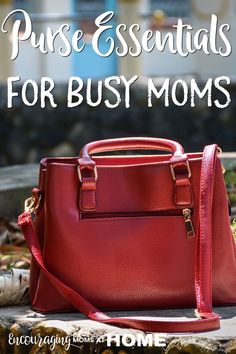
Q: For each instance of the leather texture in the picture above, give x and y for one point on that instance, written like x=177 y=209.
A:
x=131 y=250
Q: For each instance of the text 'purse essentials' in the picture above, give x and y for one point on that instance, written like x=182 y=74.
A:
x=132 y=232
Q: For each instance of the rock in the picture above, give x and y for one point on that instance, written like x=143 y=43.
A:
x=193 y=345
x=16 y=183
x=231 y=347
x=88 y=337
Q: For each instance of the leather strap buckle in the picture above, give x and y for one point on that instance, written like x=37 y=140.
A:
x=95 y=174
x=172 y=170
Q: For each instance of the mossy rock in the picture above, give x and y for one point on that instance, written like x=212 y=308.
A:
x=193 y=345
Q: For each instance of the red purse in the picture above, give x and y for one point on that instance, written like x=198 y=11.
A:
x=132 y=232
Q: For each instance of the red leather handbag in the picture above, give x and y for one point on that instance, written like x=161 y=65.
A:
x=132 y=232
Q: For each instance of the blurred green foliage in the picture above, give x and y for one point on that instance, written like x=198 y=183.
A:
x=230 y=181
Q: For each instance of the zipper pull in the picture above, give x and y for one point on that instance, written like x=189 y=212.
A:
x=188 y=223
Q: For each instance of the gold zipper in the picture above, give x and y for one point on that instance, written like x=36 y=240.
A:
x=188 y=223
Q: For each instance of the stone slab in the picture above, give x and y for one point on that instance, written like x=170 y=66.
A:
x=16 y=183
x=85 y=336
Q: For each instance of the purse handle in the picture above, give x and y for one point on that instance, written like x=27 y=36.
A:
x=207 y=319
x=88 y=175
x=138 y=143
x=131 y=144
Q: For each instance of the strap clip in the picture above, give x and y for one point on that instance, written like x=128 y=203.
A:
x=173 y=171
x=32 y=204
x=94 y=171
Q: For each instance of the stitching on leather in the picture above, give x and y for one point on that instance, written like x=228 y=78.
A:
x=208 y=168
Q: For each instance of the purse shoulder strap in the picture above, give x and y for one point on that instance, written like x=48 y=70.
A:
x=207 y=320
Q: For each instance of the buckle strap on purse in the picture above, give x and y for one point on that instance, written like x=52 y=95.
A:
x=181 y=173
x=206 y=318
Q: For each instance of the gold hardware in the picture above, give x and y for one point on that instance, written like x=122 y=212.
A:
x=219 y=155
x=30 y=204
x=188 y=223
x=173 y=171
x=81 y=177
